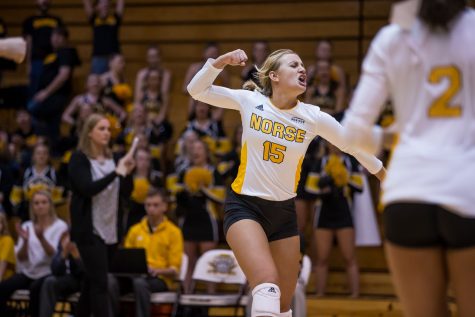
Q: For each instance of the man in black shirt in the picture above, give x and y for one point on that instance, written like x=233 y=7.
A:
x=37 y=32
x=106 y=26
x=55 y=85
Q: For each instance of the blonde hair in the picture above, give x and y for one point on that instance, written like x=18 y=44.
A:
x=47 y=194
x=272 y=63
x=4 y=222
x=84 y=139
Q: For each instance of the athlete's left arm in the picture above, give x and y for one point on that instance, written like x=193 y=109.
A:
x=329 y=129
x=369 y=98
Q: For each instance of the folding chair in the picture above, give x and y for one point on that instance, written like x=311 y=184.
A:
x=170 y=297
x=219 y=267
x=19 y=303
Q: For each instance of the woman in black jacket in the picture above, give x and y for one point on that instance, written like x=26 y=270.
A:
x=99 y=190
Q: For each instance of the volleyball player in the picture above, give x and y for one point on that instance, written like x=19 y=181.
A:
x=260 y=222
x=424 y=61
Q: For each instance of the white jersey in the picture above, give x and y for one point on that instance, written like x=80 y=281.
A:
x=430 y=78
x=274 y=141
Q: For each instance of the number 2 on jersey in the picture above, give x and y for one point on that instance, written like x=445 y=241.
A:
x=441 y=107
x=274 y=152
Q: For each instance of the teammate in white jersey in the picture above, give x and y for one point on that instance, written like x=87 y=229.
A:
x=260 y=220
x=425 y=62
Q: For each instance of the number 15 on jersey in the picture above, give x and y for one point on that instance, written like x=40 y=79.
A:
x=273 y=152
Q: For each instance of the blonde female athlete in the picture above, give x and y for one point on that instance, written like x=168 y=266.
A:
x=260 y=221
x=425 y=61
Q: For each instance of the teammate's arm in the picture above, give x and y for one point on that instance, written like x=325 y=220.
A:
x=368 y=101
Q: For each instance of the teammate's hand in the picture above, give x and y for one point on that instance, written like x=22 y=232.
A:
x=234 y=58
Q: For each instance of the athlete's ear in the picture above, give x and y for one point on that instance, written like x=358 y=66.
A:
x=273 y=76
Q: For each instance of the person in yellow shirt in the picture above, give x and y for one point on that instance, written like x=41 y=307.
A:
x=163 y=242
x=7 y=252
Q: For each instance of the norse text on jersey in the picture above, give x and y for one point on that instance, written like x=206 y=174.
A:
x=277 y=129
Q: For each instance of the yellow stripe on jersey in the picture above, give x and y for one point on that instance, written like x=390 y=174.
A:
x=239 y=181
x=297 y=173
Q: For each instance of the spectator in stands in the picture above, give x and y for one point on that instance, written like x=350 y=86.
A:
x=326 y=92
x=23 y=139
x=305 y=201
x=156 y=135
x=37 y=31
x=67 y=273
x=211 y=50
x=210 y=129
x=203 y=123
x=94 y=98
x=7 y=252
x=155 y=102
x=335 y=178
x=152 y=98
x=106 y=25
x=145 y=178
x=154 y=61
x=100 y=188
x=35 y=249
x=202 y=186
x=163 y=243
x=323 y=51
x=92 y=101
x=40 y=175
x=136 y=125
x=7 y=175
x=260 y=50
x=113 y=81
x=55 y=85
x=229 y=163
x=185 y=147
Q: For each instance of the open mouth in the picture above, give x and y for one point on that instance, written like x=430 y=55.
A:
x=303 y=80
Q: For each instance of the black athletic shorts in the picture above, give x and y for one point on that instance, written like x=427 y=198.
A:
x=277 y=218
x=418 y=225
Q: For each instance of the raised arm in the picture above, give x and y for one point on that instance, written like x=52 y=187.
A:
x=201 y=88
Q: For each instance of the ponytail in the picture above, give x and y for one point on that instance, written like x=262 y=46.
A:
x=251 y=85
